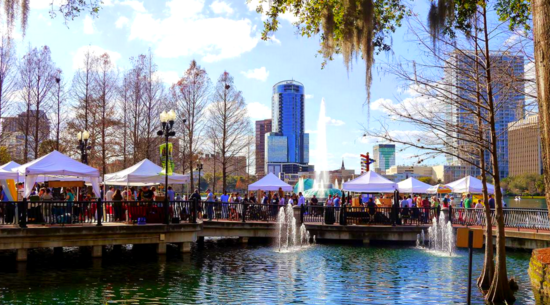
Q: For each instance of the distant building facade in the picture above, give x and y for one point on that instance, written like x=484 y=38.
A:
x=450 y=173
x=508 y=74
x=263 y=127
x=287 y=145
x=384 y=154
x=524 y=146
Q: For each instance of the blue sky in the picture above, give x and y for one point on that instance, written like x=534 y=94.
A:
x=225 y=35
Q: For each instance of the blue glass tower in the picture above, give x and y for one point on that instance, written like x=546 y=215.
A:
x=287 y=145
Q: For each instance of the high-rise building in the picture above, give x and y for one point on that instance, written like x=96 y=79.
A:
x=524 y=146
x=13 y=133
x=509 y=102
x=262 y=128
x=384 y=154
x=287 y=146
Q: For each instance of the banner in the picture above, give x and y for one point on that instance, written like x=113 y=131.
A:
x=171 y=164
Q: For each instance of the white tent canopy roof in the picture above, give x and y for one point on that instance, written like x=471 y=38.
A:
x=143 y=173
x=10 y=165
x=269 y=183
x=4 y=175
x=471 y=185
x=370 y=182
x=412 y=185
x=57 y=164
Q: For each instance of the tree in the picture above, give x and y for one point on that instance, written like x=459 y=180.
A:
x=82 y=87
x=191 y=95
x=69 y=9
x=105 y=82
x=7 y=76
x=4 y=155
x=59 y=100
x=228 y=124
x=152 y=102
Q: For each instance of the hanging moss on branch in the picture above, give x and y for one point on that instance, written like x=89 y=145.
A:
x=352 y=28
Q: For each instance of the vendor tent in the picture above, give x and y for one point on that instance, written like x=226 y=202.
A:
x=370 y=182
x=60 y=165
x=269 y=183
x=470 y=185
x=10 y=165
x=439 y=189
x=5 y=175
x=143 y=173
x=412 y=185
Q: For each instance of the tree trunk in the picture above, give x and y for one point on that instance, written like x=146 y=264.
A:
x=499 y=291
x=486 y=276
x=541 y=35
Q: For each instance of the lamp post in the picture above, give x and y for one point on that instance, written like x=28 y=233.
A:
x=199 y=169
x=167 y=120
x=83 y=145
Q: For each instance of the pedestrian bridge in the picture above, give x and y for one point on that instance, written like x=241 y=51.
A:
x=100 y=224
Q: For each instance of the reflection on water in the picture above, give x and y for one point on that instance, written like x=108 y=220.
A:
x=526 y=203
x=222 y=273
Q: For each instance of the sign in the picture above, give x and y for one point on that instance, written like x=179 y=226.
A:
x=163 y=152
x=462 y=238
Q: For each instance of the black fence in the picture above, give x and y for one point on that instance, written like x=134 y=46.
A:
x=347 y=215
x=98 y=212
x=243 y=212
x=534 y=219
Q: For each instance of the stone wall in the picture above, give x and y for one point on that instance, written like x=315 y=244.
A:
x=539 y=272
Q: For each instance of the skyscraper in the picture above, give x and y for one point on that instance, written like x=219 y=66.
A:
x=384 y=154
x=262 y=127
x=287 y=145
x=524 y=146
x=509 y=102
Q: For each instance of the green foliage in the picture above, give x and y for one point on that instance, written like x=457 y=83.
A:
x=5 y=156
x=518 y=12
x=526 y=184
x=427 y=180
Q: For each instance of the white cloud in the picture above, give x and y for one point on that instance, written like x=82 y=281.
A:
x=334 y=122
x=168 y=77
x=135 y=5
x=309 y=96
x=220 y=7
x=259 y=74
x=88 y=25
x=258 y=111
x=121 y=22
x=253 y=5
x=212 y=38
x=78 y=57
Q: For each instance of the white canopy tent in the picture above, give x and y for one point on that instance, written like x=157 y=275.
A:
x=470 y=185
x=4 y=175
x=142 y=174
x=270 y=183
x=10 y=166
x=412 y=185
x=370 y=182
x=58 y=165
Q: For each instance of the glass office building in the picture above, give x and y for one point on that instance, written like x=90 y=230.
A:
x=384 y=154
x=287 y=146
x=507 y=75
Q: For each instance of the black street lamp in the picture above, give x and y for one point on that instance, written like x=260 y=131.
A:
x=83 y=145
x=167 y=120
x=199 y=168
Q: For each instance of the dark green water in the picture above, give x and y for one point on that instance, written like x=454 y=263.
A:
x=526 y=203
x=232 y=274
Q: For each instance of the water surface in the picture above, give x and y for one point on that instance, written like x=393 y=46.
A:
x=224 y=273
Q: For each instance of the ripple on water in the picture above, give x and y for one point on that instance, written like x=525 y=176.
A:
x=229 y=274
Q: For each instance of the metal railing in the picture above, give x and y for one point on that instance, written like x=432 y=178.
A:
x=534 y=219
x=347 y=215
x=57 y=212
x=242 y=211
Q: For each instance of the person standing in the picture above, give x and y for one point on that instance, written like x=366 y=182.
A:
x=491 y=202
x=468 y=202
x=171 y=194
x=301 y=199
x=196 y=197
x=117 y=205
x=210 y=204
x=225 y=205
x=109 y=194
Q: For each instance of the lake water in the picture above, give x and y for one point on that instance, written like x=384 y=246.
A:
x=227 y=273
x=526 y=203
